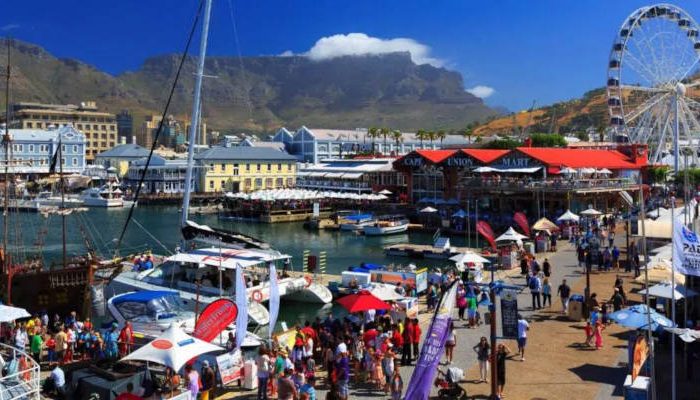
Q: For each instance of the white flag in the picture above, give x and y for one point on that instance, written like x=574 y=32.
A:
x=242 y=304
x=274 y=299
x=686 y=250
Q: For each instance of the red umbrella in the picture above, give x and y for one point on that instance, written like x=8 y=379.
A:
x=362 y=301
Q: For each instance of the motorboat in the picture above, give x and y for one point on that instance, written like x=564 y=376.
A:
x=356 y=222
x=152 y=311
x=49 y=199
x=105 y=196
x=206 y=274
x=387 y=225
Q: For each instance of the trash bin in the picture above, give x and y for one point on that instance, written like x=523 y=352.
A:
x=250 y=375
x=575 y=311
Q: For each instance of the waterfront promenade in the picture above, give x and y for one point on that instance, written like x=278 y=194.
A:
x=556 y=361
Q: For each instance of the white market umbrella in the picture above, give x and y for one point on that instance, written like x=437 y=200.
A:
x=587 y=170
x=511 y=235
x=568 y=216
x=469 y=257
x=386 y=192
x=591 y=212
x=385 y=292
x=9 y=313
x=174 y=348
x=428 y=210
x=664 y=290
x=568 y=171
x=604 y=171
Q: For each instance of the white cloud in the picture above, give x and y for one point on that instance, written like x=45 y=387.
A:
x=482 y=91
x=9 y=27
x=355 y=44
x=287 y=53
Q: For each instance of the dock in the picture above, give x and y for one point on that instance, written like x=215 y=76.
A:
x=425 y=251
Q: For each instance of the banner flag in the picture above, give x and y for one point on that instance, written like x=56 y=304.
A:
x=274 y=302
x=485 y=230
x=214 y=319
x=686 y=250
x=520 y=219
x=433 y=347
x=242 y=303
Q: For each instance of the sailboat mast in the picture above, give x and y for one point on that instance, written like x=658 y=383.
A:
x=63 y=192
x=195 y=112
x=6 y=201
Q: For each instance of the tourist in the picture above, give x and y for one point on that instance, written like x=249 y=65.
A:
x=51 y=350
x=192 y=381
x=128 y=395
x=378 y=377
x=56 y=382
x=111 y=342
x=308 y=389
x=396 y=385
x=461 y=300
x=546 y=268
x=535 y=286
x=21 y=337
x=598 y=332
x=416 y=338
x=501 y=355
x=343 y=375
x=471 y=309
x=617 y=300
x=230 y=342
x=523 y=327
x=61 y=345
x=298 y=378
x=546 y=293
x=208 y=380
x=126 y=339
x=616 y=258
x=564 y=291
x=36 y=344
x=407 y=342
x=388 y=368
x=523 y=266
x=482 y=355
x=588 y=330
x=581 y=253
x=636 y=265
x=450 y=343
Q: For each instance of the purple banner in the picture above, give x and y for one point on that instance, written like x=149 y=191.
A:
x=433 y=348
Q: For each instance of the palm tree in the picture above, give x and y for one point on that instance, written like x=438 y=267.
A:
x=468 y=132
x=421 y=135
x=373 y=133
x=384 y=132
x=431 y=136
x=398 y=138
x=440 y=135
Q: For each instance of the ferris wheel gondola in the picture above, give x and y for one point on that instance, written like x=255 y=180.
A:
x=653 y=82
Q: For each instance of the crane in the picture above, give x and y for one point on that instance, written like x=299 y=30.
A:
x=526 y=127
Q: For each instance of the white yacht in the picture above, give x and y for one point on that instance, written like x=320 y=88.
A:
x=152 y=311
x=105 y=196
x=214 y=269
x=387 y=225
x=49 y=199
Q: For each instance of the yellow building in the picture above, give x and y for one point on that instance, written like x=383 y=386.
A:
x=245 y=169
x=99 y=128
x=119 y=157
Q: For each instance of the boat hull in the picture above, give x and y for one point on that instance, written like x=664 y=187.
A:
x=384 y=230
x=355 y=226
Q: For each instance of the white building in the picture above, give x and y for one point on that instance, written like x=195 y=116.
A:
x=33 y=149
x=313 y=145
x=352 y=175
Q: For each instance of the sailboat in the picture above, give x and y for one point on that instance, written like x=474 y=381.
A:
x=24 y=280
x=201 y=276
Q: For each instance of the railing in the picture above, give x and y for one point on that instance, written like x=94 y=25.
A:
x=548 y=184
x=23 y=384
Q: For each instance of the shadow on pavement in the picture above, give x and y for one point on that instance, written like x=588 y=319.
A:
x=614 y=376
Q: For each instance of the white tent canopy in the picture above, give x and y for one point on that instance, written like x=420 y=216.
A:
x=385 y=292
x=687 y=335
x=511 y=235
x=469 y=257
x=568 y=171
x=665 y=291
x=568 y=216
x=603 y=171
x=302 y=194
x=386 y=192
x=174 y=348
x=428 y=210
x=591 y=212
x=9 y=313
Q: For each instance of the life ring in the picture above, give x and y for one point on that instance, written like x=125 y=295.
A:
x=308 y=280
x=257 y=296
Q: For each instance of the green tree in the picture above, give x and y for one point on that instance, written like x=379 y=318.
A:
x=384 y=132
x=502 y=144
x=421 y=135
x=468 y=132
x=373 y=133
x=431 y=137
x=398 y=138
x=582 y=136
x=440 y=135
x=659 y=174
x=547 y=140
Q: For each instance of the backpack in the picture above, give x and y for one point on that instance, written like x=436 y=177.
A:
x=533 y=283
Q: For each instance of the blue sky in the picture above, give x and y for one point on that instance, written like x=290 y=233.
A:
x=523 y=50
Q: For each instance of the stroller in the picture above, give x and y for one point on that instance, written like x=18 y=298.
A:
x=449 y=385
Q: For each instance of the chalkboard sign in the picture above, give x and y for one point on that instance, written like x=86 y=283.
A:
x=509 y=314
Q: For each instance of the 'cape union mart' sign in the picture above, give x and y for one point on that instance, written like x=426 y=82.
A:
x=515 y=162
x=413 y=161
x=460 y=162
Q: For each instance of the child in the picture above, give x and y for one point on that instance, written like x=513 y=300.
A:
x=372 y=367
x=396 y=385
x=380 y=380
x=599 y=334
x=589 y=333
x=51 y=347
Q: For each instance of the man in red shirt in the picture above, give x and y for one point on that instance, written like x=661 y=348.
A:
x=126 y=339
x=369 y=337
x=407 y=340
x=416 y=337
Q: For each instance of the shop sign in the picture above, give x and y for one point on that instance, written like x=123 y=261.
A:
x=460 y=162
x=413 y=161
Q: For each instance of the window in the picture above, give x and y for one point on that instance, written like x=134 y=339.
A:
x=223 y=184
x=268 y=182
x=223 y=167
x=111 y=127
x=211 y=167
x=247 y=167
x=95 y=127
x=280 y=182
x=247 y=182
x=29 y=124
x=211 y=184
x=63 y=161
x=75 y=162
x=279 y=167
x=235 y=170
x=80 y=126
x=258 y=182
x=269 y=167
x=75 y=148
x=257 y=167
x=31 y=148
x=104 y=127
x=63 y=148
x=290 y=182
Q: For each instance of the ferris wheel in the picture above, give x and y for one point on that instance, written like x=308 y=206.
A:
x=653 y=87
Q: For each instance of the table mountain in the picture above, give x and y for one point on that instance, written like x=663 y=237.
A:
x=261 y=93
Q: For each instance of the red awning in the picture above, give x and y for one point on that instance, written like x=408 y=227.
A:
x=362 y=301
